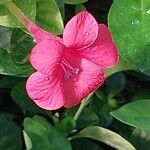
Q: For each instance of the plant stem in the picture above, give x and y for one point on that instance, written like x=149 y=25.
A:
x=81 y=107
x=84 y=102
x=17 y=12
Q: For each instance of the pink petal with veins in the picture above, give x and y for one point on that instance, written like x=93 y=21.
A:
x=80 y=31
x=46 y=91
x=89 y=78
x=103 y=51
x=46 y=55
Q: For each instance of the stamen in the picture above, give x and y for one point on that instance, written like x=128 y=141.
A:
x=63 y=68
x=67 y=64
x=68 y=69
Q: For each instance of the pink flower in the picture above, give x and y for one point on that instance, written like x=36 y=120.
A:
x=68 y=69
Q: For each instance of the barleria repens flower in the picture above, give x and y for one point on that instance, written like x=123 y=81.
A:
x=68 y=69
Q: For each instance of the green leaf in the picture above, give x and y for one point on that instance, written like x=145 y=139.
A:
x=75 y=1
x=87 y=118
x=121 y=66
x=129 y=22
x=60 y=4
x=106 y=136
x=20 y=97
x=10 y=133
x=84 y=144
x=4 y=1
x=21 y=45
x=9 y=81
x=79 y=8
x=49 y=17
x=135 y=114
x=9 y=20
x=27 y=141
x=9 y=67
x=44 y=136
x=114 y=84
x=5 y=37
x=66 y=125
x=140 y=139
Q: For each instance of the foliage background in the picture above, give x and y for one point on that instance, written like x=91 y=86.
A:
x=116 y=114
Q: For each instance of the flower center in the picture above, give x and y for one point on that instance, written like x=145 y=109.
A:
x=69 y=70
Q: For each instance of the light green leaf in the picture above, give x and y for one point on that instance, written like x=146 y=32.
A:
x=4 y=1
x=135 y=114
x=106 y=136
x=9 y=20
x=44 y=136
x=49 y=17
x=129 y=22
x=75 y=1
x=27 y=141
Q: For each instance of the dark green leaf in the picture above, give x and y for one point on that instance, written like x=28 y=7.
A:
x=75 y=1
x=21 y=45
x=9 y=82
x=114 y=84
x=44 y=136
x=106 y=136
x=20 y=97
x=10 y=134
x=5 y=37
x=135 y=114
x=129 y=22
x=84 y=144
x=87 y=118
x=9 y=67
x=66 y=125
x=140 y=139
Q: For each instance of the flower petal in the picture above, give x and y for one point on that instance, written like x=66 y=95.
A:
x=46 y=55
x=80 y=31
x=38 y=33
x=90 y=77
x=103 y=51
x=46 y=91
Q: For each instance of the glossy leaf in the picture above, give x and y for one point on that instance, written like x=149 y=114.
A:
x=44 y=136
x=9 y=20
x=9 y=67
x=60 y=4
x=75 y=1
x=21 y=45
x=49 y=17
x=129 y=22
x=114 y=84
x=106 y=136
x=135 y=114
x=10 y=133
x=5 y=37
